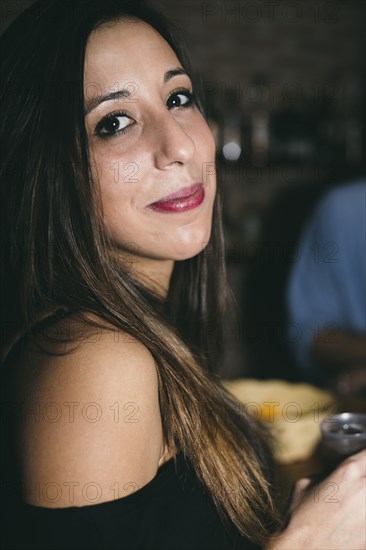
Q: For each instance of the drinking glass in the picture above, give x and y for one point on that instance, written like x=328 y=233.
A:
x=342 y=435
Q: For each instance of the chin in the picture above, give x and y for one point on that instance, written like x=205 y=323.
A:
x=188 y=248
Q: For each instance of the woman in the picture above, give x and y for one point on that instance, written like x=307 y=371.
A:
x=118 y=432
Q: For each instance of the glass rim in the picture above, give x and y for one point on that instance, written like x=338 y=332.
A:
x=342 y=418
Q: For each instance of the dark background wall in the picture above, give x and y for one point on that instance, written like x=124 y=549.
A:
x=285 y=88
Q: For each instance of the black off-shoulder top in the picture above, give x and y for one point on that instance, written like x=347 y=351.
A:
x=171 y=512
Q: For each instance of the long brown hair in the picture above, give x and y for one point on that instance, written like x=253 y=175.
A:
x=58 y=252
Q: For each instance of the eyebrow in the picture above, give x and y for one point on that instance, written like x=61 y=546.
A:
x=92 y=103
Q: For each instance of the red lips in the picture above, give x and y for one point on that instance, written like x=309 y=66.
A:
x=185 y=198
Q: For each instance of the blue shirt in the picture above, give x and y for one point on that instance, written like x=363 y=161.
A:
x=327 y=284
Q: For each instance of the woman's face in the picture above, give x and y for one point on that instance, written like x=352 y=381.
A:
x=147 y=145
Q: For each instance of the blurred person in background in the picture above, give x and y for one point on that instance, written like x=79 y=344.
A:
x=326 y=291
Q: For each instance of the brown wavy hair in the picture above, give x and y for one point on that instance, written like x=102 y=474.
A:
x=57 y=251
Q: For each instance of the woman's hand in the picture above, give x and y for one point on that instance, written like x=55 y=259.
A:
x=330 y=515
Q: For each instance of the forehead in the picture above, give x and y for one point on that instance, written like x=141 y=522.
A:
x=126 y=49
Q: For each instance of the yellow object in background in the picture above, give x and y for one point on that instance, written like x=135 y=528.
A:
x=292 y=412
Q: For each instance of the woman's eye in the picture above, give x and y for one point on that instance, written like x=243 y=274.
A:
x=118 y=123
x=112 y=125
x=181 y=98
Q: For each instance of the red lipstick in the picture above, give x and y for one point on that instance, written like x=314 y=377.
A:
x=184 y=199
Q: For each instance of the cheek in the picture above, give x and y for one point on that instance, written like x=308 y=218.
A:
x=205 y=137
x=116 y=193
x=206 y=150
x=117 y=177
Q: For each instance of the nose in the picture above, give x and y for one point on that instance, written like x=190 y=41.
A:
x=171 y=141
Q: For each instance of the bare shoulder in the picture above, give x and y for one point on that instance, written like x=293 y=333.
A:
x=90 y=426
